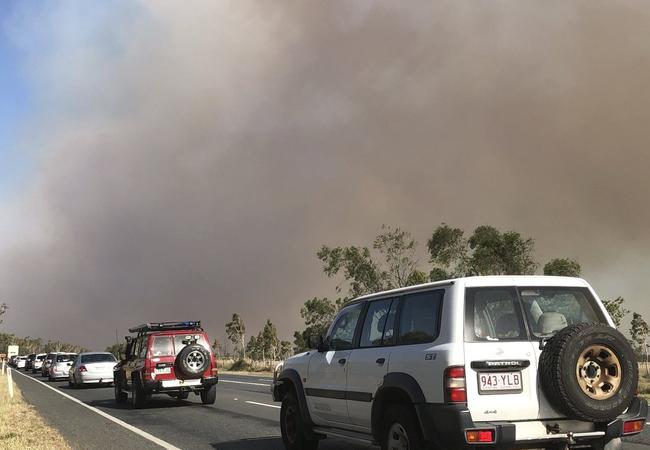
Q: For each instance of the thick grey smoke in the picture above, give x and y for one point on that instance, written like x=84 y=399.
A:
x=192 y=159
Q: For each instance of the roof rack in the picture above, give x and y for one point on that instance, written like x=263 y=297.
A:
x=162 y=326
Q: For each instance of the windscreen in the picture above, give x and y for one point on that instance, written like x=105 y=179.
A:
x=65 y=358
x=550 y=309
x=97 y=358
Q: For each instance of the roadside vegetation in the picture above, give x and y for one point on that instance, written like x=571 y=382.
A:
x=21 y=427
x=29 y=345
x=644 y=381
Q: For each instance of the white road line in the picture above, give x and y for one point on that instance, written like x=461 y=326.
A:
x=263 y=404
x=138 y=431
x=221 y=380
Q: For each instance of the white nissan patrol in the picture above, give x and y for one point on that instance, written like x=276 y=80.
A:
x=497 y=362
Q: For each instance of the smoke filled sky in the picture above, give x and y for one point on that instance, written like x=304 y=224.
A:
x=172 y=160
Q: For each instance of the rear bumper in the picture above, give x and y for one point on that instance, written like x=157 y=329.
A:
x=103 y=377
x=446 y=425
x=56 y=374
x=158 y=386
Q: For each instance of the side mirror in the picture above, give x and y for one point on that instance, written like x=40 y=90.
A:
x=129 y=347
x=316 y=342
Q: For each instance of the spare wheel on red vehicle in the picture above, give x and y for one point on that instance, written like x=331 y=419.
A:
x=192 y=361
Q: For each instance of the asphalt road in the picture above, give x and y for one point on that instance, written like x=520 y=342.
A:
x=243 y=418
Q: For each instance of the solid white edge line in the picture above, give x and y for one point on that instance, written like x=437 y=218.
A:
x=221 y=380
x=129 y=427
x=263 y=404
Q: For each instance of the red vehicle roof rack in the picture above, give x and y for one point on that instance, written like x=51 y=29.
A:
x=163 y=326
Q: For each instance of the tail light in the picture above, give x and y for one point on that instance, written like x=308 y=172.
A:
x=215 y=369
x=455 y=385
x=83 y=369
x=633 y=426
x=486 y=436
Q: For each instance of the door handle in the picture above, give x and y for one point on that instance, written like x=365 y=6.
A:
x=342 y=361
x=381 y=361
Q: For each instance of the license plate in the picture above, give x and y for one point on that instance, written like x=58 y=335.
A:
x=499 y=381
x=163 y=370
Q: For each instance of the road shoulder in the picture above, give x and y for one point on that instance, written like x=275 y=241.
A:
x=79 y=426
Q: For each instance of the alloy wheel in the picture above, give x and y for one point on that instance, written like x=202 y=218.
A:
x=195 y=360
x=397 y=438
x=599 y=372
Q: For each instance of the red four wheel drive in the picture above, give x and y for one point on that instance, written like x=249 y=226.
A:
x=172 y=358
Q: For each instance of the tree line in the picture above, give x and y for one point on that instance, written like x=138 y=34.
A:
x=28 y=345
x=265 y=346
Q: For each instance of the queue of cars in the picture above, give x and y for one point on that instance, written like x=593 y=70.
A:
x=172 y=358
x=79 y=369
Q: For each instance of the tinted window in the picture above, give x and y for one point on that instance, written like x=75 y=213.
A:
x=341 y=335
x=162 y=346
x=549 y=309
x=373 y=327
x=492 y=315
x=420 y=317
x=96 y=358
x=65 y=358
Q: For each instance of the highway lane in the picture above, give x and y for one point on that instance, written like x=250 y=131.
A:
x=243 y=418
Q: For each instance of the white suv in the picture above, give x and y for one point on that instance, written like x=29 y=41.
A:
x=497 y=362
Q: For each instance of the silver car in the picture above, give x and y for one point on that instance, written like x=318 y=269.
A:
x=61 y=365
x=92 y=367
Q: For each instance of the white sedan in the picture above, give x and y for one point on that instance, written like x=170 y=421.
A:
x=20 y=362
x=95 y=367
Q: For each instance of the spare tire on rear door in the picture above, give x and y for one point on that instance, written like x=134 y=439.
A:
x=192 y=361
x=589 y=372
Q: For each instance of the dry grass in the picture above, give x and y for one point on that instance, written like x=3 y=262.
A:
x=246 y=366
x=20 y=425
x=644 y=380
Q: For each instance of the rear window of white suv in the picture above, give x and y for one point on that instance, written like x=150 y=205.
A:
x=493 y=314
x=498 y=313
x=549 y=309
